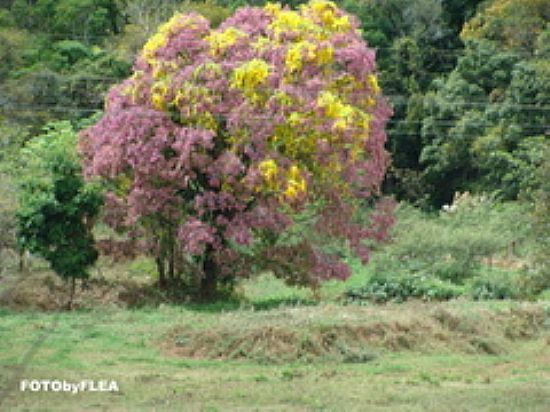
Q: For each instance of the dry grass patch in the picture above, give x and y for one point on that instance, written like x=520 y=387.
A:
x=353 y=334
x=43 y=290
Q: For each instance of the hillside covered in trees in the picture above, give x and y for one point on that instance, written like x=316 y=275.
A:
x=468 y=80
x=312 y=205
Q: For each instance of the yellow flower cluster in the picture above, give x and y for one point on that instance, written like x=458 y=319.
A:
x=221 y=41
x=273 y=8
x=318 y=16
x=287 y=20
x=269 y=170
x=295 y=54
x=261 y=44
x=249 y=76
x=326 y=12
x=373 y=83
x=155 y=42
x=162 y=69
x=335 y=109
x=208 y=67
x=305 y=51
x=295 y=183
x=185 y=96
x=177 y=22
x=159 y=92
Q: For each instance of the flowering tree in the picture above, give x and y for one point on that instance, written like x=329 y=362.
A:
x=222 y=138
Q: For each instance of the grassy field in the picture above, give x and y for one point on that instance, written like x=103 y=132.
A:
x=456 y=356
x=272 y=347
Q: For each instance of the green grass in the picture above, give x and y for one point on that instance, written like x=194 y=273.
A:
x=266 y=349
x=268 y=291
x=129 y=346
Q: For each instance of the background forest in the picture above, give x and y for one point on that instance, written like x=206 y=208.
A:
x=469 y=83
x=450 y=313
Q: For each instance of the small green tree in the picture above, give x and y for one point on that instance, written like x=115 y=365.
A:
x=57 y=208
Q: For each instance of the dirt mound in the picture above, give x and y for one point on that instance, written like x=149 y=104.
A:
x=45 y=291
x=433 y=329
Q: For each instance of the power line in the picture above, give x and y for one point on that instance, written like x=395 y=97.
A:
x=55 y=107
x=454 y=51
x=393 y=132
x=534 y=105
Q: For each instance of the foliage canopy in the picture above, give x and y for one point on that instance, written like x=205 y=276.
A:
x=221 y=137
x=57 y=208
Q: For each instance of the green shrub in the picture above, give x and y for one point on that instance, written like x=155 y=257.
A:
x=399 y=288
x=57 y=208
x=495 y=285
x=452 y=245
x=507 y=284
x=7 y=214
x=443 y=255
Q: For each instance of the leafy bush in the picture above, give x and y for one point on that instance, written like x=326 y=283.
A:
x=57 y=209
x=495 y=285
x=7 y=214
x=453 y=245
x=399 y=288
x=441 y=256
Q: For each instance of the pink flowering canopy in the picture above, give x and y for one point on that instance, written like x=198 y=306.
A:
x=221 y=138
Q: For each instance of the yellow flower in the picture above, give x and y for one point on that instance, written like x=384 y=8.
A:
x=207 y=67
x=305 y=51
x=292 y=21
x=321 y=6
x=249 y=76
x=294 y=173
x=261 y=44
x=296 y=183
x=293 y=60
x=340 y=124
x=341 y=24
x=221 y=41
x=177 y=22
x=269 y=169
x=373 y=83
x=326 y=12
x=287 y=20
x=292 y=190
x=159 y=91
x=155 y=42
x=334 y=108
x=325 y=55
x=294 y=119
x=365 y=122
x=272 y=8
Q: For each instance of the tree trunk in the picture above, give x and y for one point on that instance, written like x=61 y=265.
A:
x=160 y=270
x=209 y=281
x=22 y=260
x=73 y=285
x=171 y=257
